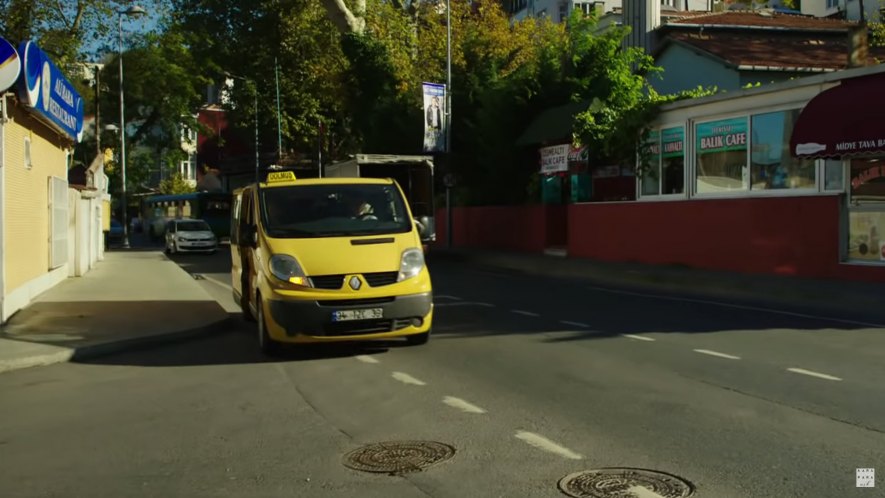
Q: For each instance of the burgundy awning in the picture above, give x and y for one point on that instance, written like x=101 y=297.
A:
x=845 y=120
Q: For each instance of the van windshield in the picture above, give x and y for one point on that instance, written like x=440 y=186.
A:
x=333 y=210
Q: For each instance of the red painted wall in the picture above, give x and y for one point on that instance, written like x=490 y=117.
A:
x=781 y=235
x=507 y=228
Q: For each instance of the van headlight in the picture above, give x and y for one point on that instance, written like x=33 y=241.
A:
x=411 y=264
x=287 y=269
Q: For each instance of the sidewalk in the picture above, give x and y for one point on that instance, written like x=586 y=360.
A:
x=131 y=299
x=861 y=300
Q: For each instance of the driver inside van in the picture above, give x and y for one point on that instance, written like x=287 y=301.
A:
x=364 y=211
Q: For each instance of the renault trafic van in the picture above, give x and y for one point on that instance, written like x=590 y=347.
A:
x=329 y=259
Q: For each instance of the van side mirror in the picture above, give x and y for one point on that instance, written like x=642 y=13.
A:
x=425 y=226
x=249 y=236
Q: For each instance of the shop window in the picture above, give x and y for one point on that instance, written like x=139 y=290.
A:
x=866 y=235
x=721 y=148
x=666 y=173
x=651 y=170
x=673 y=161
x=834 y=175
x=772 y=165
x=866 y=216
x=868 y=182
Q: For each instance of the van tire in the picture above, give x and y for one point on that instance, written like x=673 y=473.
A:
x=244 y=302
x=268 y=346
x=418 y=339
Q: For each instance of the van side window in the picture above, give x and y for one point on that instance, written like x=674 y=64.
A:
x=246 y=217
x=235 y=220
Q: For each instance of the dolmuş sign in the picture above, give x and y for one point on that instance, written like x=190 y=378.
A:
x=45 y=89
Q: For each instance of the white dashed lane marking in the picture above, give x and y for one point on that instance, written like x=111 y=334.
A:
x=810 y=373
x=716 y=354
x=462 y=405
x=366 y=359
x=443 y=296
x=574 y=324
x=407 y=379
x=638 y=337
x=525 y=313
x=542 y=443
x=740 y=307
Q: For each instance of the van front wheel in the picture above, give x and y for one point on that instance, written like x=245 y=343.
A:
x=267 y=345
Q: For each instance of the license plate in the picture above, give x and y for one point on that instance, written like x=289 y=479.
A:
x=347 y=315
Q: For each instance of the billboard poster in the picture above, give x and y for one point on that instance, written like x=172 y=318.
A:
x=434 y=117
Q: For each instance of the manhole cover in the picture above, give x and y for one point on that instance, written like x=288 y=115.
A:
x=624 y=483
x=398 y=457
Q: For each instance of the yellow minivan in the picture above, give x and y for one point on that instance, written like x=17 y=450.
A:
x=329 y=259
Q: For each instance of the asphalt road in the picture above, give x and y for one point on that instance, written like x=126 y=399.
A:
x=529 y=379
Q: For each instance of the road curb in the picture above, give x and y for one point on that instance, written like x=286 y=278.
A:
x=91 y=351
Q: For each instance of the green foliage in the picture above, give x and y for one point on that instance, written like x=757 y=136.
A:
x=175 y=184
x=60 y=28
x=876 y=34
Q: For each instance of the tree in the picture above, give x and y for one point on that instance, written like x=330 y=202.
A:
x=162 y=94
x=242 y=40
x=61 y=28
x=175 y=184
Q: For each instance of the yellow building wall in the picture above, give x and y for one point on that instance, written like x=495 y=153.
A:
x=26 y=199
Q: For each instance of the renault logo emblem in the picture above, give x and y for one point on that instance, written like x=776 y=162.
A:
x=355 y=283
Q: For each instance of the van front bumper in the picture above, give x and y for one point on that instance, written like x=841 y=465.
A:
x=407 y=314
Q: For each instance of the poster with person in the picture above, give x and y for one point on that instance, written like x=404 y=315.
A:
x=434 y=117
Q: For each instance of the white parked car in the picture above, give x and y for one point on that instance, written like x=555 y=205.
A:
x=188 y=235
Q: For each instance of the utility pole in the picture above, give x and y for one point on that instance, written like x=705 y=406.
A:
x=279 y=118
x=448 y=122
x=320 y=147
x=257 y=162
x=97 y=111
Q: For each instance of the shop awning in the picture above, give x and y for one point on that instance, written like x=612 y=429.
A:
x=843 y=121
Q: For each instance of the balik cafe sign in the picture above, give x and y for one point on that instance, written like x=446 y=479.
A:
x=42 y=88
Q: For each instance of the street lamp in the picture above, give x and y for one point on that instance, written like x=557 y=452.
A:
x=132 y=11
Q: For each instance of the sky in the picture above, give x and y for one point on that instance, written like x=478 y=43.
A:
x=144 y=24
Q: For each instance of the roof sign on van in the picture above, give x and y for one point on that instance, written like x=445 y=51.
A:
x=280 y=176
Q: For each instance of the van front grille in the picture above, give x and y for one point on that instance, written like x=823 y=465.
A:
x=327 y=281
x=359 y=327
x=381 y=278
x=366 y=326
x=355 y=302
